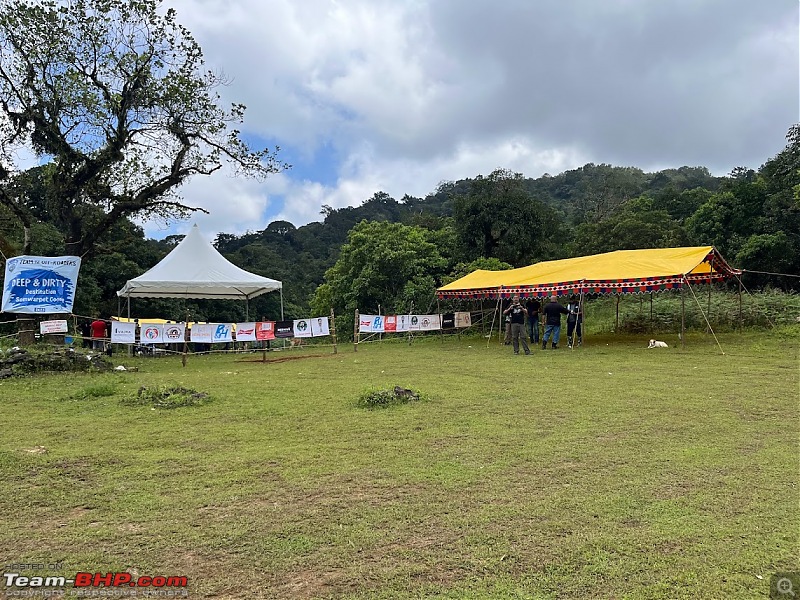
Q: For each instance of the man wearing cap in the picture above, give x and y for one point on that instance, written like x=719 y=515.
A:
x=552 y=321
x=517 y=314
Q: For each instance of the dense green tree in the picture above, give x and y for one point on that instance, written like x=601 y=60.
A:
x=112 y=94
x=386 y=264
x=499 y=218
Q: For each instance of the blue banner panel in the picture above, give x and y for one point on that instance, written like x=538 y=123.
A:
x=40 y=284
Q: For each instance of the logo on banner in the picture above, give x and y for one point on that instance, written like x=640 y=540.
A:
x=302 y=325
x=151 y=333
x=173 y=333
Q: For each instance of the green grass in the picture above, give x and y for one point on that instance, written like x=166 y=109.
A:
x=611 y=471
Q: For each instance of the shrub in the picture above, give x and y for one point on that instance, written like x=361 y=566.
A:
x=167 y=397
x=385 y=398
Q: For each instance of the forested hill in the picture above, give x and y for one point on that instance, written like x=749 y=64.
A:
x=751 y=216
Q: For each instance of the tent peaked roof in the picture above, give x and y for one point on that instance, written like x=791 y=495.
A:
x=195 y=269
x=620 y=272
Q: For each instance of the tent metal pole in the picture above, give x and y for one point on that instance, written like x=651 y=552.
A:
x=247 y=309
x=616 y=326
x=683 y=315
x=130 y=349
x=740 y=303
x=282 y=304
x=710 y=280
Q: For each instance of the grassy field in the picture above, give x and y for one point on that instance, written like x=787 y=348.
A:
x=611 y=471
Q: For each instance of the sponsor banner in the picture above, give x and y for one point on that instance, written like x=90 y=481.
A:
x=40 y=284
x=365 y=323
x=413 y=322
x=429 y=323
x=320 y=326
x=302 y=328
x=202 y=332
x=448 y=321
x=284 y=329
x=403 y=323
x=123 y=333
x=59 y=326
x=463 y=319
x=223 y=332
x=390 y=323
x=151 y=333
x=265 y=330
x=174 y=332
x=245 y=332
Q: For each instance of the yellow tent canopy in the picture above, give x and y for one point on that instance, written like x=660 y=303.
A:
x=620 y=272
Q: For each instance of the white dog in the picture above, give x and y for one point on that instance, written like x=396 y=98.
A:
x=657 y=344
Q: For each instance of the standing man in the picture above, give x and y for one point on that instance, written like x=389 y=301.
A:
x=532 y=306
x=517 y=315
x=552 y=321
x=574 y=322
x=98 y=334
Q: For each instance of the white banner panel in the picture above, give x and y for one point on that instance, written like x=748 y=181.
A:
x=463 y=319
x=320 y=326
x=365 y=323
x=302 y=328
x=59 y=326
x=202 y=332
x=151 y=333
x=40 y=284
x=403 y=323
x=245 y=332
x=174 y=332
x=429 y=323
x=123 y=333
x=223 y=332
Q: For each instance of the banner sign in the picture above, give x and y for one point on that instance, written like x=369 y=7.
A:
x=403 y=323
x=202 y=332
x=302 y=328
x=46 y=327
x=151 y=333
x=463 y=319
x=40 y=284
x=390 y=323
x=424 y=323
x=320 y=326
x=265 y=330
x=371 y=323
x=448 y=321
x=223 y=332
x=123 y=333
x=174 y=332
x=245 y=332
x=284 y=329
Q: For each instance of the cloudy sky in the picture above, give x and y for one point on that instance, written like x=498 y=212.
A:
x=399 y=95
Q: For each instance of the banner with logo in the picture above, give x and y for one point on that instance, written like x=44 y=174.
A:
x=202 y=332
x=223 y=332
x=59 y=326
x=245 y=332
x=427 y=322
x=320 y=326
x=302 y=328
x=174 y=333
x=265 y=330
x=448 y=321
x=123 y=333
x=40 y=284
x=390 y=323
x=151 y=333
x=463 y=319
x=371 y=323
x=403 y=323
x=284 y=329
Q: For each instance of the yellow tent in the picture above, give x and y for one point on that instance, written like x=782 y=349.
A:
x=620 y=272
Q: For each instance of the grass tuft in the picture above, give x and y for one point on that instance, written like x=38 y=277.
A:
x=167 y=397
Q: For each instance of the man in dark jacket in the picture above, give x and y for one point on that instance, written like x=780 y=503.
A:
x=517 y=314
x=552 y=321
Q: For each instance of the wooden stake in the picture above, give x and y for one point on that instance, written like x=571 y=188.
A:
x=355 y=333
x=333 y=332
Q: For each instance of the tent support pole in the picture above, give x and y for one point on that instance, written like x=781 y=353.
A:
x=483 y=324
x=740 y=303
x=683 y=315
x=439 y=312
x=651 y=309
x=710 y=280
x=616 y=326
x=247 y=309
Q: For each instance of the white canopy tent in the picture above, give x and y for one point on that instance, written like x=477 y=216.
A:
x=195 y=269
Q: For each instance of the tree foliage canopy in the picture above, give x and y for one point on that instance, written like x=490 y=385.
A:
x=113 y=97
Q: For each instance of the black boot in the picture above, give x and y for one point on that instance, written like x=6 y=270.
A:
x=555 y=346
x=544 y=345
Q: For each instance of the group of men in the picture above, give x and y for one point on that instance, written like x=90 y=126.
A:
x=516 y=316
